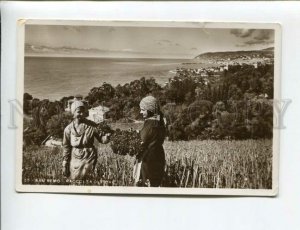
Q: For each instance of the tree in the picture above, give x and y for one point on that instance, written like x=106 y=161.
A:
x=57 y=123
x=27 y=96
x=27 y=103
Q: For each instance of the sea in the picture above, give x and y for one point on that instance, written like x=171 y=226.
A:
x=55 y=77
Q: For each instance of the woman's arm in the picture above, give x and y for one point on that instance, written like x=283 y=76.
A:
x=101 y=137
x=67 y=148
x=147 y=133
x=147 y=136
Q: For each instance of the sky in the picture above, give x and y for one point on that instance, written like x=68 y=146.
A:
x=142 y=42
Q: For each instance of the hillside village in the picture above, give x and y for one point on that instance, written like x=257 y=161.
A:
x=237 y=55
x=218 y=62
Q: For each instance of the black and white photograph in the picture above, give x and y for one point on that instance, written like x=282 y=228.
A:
x=136 y=107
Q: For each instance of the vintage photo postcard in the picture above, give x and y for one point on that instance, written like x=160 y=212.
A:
x=132 y=107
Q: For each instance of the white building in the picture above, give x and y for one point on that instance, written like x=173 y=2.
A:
x=70 y=102
x=52 y=142
x=97 y=114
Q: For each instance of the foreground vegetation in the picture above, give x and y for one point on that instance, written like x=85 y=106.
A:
x=243 y=164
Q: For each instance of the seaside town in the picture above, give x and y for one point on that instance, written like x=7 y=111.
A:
x=217 y=65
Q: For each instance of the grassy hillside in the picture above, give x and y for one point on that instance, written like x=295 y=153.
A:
x=269 y=52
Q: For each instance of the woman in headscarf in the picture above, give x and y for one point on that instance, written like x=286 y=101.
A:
x=152 y=158
x=80 y=154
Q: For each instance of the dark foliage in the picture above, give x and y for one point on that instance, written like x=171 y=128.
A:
x=125 y=142
x=56 y=124
x=104 y=128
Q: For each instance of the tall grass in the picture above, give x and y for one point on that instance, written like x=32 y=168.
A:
x=219 y=164
x=201 y=164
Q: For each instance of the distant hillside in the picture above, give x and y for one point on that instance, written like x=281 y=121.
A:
x=268 y=53
x=269 y=49
x=65 y=50
x=69 y=51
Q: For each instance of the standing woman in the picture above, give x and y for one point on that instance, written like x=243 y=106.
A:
x=80 y=154
x=153 y=133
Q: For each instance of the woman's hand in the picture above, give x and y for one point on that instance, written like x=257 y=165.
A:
x=105 y=138
x=66 y=169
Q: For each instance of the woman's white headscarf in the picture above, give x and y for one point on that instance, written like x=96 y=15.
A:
x=150 y=103
x=75 y=105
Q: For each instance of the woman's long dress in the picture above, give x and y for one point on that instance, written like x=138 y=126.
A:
x=153 y=156
x=79 y=149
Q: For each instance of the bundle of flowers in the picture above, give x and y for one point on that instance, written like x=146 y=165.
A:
x=126 y=142
x=103 y=128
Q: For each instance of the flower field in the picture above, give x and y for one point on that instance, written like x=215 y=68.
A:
x=243 y=164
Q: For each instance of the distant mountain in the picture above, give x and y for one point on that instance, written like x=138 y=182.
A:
x=269 y=49
x=32 y=50
x=69 y=51
x=268 y=53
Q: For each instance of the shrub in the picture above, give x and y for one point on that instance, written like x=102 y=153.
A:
x=57 y=123
x=125 y=142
